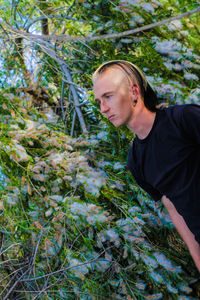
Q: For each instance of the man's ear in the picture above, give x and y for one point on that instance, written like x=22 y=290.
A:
x=135 y=90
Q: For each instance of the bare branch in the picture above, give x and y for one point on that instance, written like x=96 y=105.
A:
x=67 y=268
x=14 y=11
x=61 y=100
x=46 y=288
x=75 y=96
x=73 y=123
x=11 y=280
x=14 y=285
x=46 y=48
x=35 y=252
x=64 y=37
x=10 y=247
x=32 y=10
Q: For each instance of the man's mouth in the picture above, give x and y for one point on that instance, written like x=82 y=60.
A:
x=111 y=117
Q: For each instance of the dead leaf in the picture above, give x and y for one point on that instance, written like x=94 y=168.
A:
x=37 y=225
x=12 y=113
x=117 y=268
x=43 y=189
x=107 y=256
x=123 y=288
x=80 y=275
x=29 y=189
x=1 y=205
x=125 y=254
x=23 y=180
x=58 y=217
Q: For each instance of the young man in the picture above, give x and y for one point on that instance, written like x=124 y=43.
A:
x=165 y=156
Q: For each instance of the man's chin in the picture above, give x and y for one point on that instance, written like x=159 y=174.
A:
x=117 y=124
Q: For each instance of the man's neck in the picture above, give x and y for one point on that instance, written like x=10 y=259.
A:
x=142 y=123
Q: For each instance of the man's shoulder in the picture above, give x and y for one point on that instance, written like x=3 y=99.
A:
x=175 y=112
x=179 y=119
x=179 y=108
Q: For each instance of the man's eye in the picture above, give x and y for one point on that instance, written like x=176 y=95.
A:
x=108 y=96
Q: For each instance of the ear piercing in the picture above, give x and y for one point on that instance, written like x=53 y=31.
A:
x=135 y=101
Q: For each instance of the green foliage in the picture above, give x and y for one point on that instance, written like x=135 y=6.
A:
x=74 y=224
x=80 y=219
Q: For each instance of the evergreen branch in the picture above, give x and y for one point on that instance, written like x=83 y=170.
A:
x=64 y=37
x=62 y=16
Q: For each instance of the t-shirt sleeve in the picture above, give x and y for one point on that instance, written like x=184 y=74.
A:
x=155 y=194
x=190 y=122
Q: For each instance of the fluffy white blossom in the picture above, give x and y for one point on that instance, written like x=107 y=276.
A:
x=175 y=25
x=17 y=151
x=189 y=76
x=194 y=97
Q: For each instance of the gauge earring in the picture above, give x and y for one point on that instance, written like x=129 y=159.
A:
x=135 y=101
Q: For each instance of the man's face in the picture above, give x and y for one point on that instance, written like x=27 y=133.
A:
x=113 y=92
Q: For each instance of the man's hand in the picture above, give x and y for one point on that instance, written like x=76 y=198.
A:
x=183 y=230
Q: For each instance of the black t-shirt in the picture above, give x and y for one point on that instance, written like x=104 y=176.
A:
x=167 y=161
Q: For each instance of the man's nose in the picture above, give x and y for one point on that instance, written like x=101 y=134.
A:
x=104 y=107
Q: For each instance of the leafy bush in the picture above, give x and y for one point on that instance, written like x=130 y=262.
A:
x=73 y=222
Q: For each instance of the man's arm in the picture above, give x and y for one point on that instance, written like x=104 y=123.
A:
x=184 y=231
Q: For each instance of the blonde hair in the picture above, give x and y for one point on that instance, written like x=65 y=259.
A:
x=134 y=74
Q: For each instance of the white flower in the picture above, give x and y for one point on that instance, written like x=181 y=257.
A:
x=118 y=166
x=194 y=97
x=189 y=76
x=56 y=198
x=20 y=152
x=175 y=25
x=148 y=7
